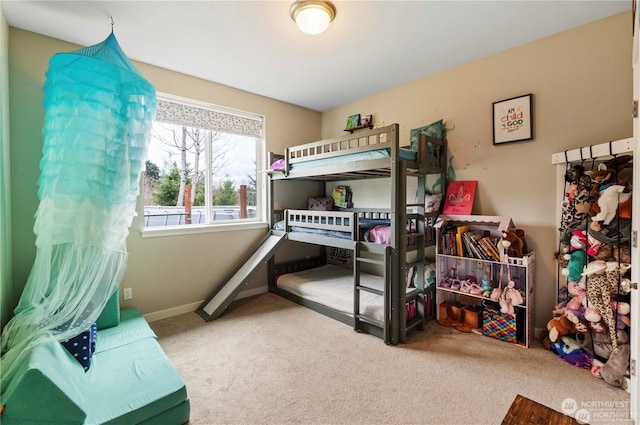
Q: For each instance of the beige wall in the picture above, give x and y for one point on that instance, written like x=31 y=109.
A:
x=163 y=272
x=581 y=82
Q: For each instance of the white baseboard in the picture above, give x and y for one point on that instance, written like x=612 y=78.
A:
x=192 y=307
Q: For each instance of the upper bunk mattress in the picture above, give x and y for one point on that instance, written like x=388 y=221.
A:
x=404 y=154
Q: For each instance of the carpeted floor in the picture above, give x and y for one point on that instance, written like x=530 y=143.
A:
x=270 y=361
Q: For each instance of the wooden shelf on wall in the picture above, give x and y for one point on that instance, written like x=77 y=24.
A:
x=351 y=130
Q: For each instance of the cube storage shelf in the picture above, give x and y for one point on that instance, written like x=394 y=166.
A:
x=521 y=271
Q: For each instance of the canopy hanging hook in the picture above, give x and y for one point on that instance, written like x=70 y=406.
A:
x=110 y=19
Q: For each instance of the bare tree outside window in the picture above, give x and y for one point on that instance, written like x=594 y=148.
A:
x=178 y=160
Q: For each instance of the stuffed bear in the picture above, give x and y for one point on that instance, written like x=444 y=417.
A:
x=559 y=326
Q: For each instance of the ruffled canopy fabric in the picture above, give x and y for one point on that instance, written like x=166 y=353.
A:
x=98 y=114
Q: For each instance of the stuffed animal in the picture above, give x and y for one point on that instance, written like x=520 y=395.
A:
x=581 y=240
x=576 y=205
x=576 y=174
x=614 y=252
x=576 y=261
x=622 y=309
x=599 y=290
x=601 y=176
x=510 y=244
x=599 y=344
x=571 y=352
x=559 y=326
x=579 y=297
x=608 y=203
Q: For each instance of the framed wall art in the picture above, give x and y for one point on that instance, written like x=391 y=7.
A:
x=366 y=121
x=353 y=121
x=460 y=197
x=512 y=120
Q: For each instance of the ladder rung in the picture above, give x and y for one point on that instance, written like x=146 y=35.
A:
x=370 y=290
x=370 y=320
x=413 y=293
x=370 y=261
x=414 y=323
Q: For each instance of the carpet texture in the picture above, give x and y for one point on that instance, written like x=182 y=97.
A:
x=267 y=360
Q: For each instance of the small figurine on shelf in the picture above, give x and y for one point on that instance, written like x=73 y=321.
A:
x=486 y=280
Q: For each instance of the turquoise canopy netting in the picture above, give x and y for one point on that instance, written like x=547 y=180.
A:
x=98 y=113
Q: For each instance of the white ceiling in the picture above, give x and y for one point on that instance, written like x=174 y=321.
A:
x=370 y=47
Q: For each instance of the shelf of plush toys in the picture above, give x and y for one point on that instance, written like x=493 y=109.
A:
x=590 y=323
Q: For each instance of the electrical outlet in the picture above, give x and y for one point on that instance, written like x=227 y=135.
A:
x=128 y=293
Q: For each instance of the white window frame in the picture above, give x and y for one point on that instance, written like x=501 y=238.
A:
x=260 y=222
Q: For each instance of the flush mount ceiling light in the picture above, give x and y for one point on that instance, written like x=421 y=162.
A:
x=312 y=16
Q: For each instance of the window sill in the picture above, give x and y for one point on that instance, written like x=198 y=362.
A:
x=155 y=232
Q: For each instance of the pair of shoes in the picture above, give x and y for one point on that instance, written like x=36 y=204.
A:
x=449 y=314
x=445 y=283
x=471 y=319
x=475 y=289
x=465 y=286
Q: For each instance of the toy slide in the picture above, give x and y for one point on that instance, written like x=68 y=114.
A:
x=220 y=299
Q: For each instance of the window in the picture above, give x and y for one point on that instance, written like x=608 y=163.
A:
x=201 y=166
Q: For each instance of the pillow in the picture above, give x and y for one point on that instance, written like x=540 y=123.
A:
x=82 y=346
x=432 y=202
x=320 y=204
x=278 y=165
x=429 y=274
x=435 y=129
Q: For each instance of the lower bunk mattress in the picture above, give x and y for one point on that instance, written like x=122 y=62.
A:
x=332 y=286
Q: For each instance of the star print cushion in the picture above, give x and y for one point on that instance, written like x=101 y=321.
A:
x=82 y=346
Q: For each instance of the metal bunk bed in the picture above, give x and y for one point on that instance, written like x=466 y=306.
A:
x=405 y=251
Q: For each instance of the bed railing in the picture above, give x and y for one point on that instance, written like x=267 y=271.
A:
x=337 y=221
x=378 y=138
x=430 y=154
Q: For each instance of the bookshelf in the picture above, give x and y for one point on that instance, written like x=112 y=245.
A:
x=459 y=259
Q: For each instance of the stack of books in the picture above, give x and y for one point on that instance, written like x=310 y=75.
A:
x=465 y=242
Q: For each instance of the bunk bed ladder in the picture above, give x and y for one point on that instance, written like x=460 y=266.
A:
x=362 y=321
x=418 y=295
